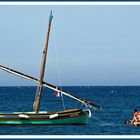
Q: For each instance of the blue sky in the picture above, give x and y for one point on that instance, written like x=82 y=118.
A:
x=95 y=45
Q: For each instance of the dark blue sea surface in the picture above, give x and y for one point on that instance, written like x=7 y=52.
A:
x=118 y=103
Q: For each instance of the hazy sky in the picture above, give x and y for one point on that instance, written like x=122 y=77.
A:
x=95 y=45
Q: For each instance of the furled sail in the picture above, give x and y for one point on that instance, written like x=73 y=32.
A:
x=50 y=86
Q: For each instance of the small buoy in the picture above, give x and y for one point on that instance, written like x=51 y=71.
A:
x=53 y=116
x=23 y=116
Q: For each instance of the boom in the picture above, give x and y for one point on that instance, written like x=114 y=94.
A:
x=50 y=86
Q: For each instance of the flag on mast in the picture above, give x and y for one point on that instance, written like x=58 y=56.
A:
x=57 y=93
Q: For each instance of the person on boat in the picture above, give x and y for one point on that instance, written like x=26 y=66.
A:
x=136 y=119
x=136 y=116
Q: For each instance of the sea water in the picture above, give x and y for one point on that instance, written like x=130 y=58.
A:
x=118 y=103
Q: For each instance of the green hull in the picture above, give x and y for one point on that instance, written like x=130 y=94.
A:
x=67 y=117
x=76 y=120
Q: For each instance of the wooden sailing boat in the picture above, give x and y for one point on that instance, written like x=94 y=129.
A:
x=74 y=116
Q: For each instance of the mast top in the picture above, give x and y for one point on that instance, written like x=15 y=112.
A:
x=51 y=16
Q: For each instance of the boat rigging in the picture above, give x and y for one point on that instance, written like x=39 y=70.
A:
x=73 y=116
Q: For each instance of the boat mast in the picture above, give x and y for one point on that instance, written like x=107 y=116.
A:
x=36 y=104
x=50 y=86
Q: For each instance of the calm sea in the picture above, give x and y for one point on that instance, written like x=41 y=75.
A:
x=117 y=103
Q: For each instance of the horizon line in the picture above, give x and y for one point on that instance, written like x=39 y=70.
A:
x=79 y=86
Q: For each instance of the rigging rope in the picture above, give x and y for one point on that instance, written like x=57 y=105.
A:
x=58 y=68
x=50 y=86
